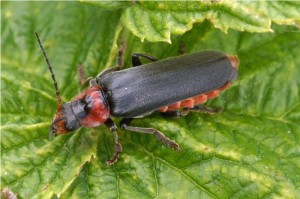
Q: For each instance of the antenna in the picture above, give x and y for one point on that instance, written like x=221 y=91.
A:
x=51 y=71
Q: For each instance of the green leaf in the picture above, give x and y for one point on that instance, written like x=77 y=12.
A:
x=280 y=12
x=251 y=150
x=156 y=21
x=109 y=4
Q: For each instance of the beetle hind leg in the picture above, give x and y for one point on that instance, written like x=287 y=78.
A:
x=205 y=109
x=160 y=136
x=186 y=111
x=178 y=113
x=118 y=147
x=136 y=58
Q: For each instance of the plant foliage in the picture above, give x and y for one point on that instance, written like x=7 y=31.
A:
x=251 y=150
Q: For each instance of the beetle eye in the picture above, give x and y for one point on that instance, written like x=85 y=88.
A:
x=57 y=126
x=52 y=131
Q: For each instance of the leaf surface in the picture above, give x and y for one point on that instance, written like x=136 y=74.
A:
x=251 y=150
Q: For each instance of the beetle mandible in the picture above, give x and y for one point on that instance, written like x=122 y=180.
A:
x=174 y=87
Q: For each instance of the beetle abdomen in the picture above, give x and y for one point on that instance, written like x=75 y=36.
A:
x=193 y=101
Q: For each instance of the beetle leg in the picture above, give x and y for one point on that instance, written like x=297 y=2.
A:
x=178 y=113
x=125 y=122
x=108 y=70
x=182 y=48
x=185 y=111
x=136 y=58
x=135 y=62
x=81 y=75
x=118 y=147
x=120 y=61
x=206 y=109
x=120 y=58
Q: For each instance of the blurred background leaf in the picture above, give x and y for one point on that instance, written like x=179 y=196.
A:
x=251 y=150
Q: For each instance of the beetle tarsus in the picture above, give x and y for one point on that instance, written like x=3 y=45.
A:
x=167 y=141
x=159 y=135
x=118 y=151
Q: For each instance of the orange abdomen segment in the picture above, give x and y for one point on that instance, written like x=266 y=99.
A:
x=193 y=101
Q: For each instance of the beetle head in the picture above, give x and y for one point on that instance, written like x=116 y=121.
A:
x=64 y=120
x=58 y=124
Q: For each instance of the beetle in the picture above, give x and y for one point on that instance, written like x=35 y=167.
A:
x=173 y=87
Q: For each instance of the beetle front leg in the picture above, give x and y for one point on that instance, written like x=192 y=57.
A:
x=125 y=122
x=118 y=147
x=120 y=62
x=120 y=58
x=81 y=75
